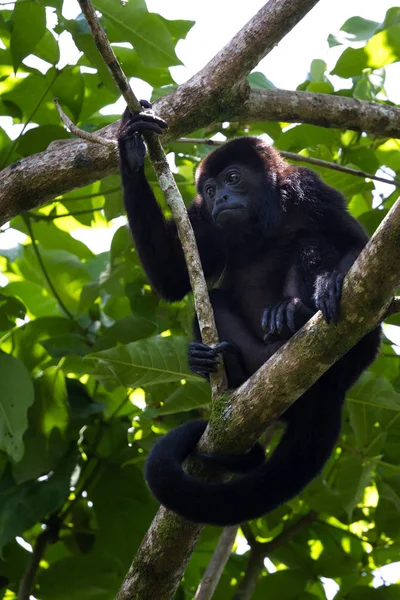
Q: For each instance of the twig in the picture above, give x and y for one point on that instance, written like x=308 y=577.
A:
x=55 y=293
x=260 y=550
x=81 y=133
x=48 y=536
x=41 y=217
x=305 y=159
x=172 y=196
x=215 y=567
x=28 y=579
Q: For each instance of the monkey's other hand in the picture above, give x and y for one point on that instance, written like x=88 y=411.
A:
x=328 y=291
x=131 y=146
x=280 y=321
x=203 y=359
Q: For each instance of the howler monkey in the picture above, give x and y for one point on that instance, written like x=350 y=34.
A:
x=278 y=241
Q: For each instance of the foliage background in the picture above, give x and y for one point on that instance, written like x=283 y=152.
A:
x=93 y=363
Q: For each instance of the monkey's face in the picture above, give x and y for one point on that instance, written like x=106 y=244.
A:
x=228 y=196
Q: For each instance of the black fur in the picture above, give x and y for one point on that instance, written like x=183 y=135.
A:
x=282 y=241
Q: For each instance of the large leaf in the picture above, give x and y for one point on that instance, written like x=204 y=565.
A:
x=22 y=506
x=154 y=360
x=16 y=396
x=375 y=391
x=29 y=20
x=147 y=32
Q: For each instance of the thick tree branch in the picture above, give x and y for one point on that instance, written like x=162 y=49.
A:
x=32 y=181
x=205 y=98
x=323 y=110
x=221 y=85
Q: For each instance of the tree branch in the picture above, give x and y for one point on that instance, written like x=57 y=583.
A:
x=202 y=304
x=260 y=550
x=28 y=579
x=30 y=182
x=215 y=567
x=323 y=110
x=367 y=293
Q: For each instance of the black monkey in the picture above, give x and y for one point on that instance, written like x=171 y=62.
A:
x=280 y=241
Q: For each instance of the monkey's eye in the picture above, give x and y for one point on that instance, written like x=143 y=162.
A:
x=232 y=177
x=210 y=190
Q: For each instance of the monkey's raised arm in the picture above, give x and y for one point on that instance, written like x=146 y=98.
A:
x=156 y=239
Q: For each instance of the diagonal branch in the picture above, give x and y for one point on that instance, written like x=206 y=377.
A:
x=239 y=418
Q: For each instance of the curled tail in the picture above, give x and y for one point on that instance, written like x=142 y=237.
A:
x=299 y=457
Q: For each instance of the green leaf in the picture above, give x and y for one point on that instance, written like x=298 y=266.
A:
x=69 y=88
x=16 y=395
x=87 y=577
x=285 y=585
x=146 y=362
x=45 y=440
x=21 y=507
x=190 y=396
x=37 y=300
x=29 y=19
x=353 y=475
x=11 y=309
x=146 y=31
x=47 y=49
x=351 y=63
x=258 y=80
x=374 y=391
x=64 y=345
x=382 y=49
x=359 y=29
x=38 y=139
x=123 y=527
x=52 y=392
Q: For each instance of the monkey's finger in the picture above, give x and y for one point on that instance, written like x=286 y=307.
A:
x=205 y=363
x=146 y=104
x=266 y=319
x=273 y=324
x=144 y=116
x=281 y=316
x=141 y=127
x=290 y=313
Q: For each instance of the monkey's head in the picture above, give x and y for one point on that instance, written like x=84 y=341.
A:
x=239 y=185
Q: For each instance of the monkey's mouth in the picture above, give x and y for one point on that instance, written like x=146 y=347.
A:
x=229 y=214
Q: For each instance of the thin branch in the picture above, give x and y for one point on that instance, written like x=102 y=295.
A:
x=172 y=195
x=293 y=156
x=46 y=275
x=40 y=217
x=248 y=534
x=28 y=579
x=48 y=536
x=215 y=567
x=81 y=133
x=260 y=550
